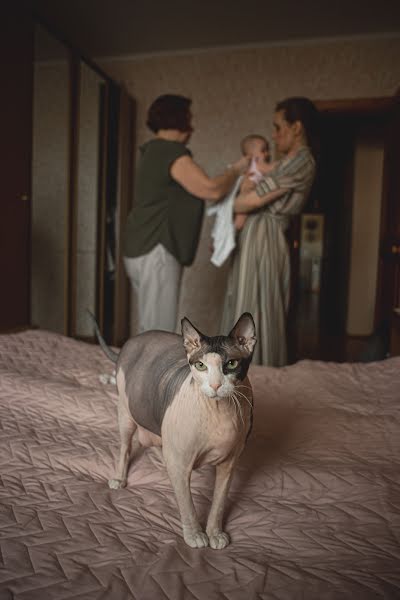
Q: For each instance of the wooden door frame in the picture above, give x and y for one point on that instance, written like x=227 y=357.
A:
x=71 y=210
x=387 y=237
x=357 y=106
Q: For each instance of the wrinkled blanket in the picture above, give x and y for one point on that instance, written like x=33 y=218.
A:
x=313 y=511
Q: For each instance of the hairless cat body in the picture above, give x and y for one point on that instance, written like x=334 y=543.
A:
x=191 y=396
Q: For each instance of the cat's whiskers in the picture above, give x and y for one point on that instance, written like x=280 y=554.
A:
x=232 y=401
x=243 y=396
x=238 y=406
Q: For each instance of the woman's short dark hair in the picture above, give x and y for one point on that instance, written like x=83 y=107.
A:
x=298 y=108
x=169 y=112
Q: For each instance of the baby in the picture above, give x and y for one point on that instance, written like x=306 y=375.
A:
x=223 y=234
x=256 y=147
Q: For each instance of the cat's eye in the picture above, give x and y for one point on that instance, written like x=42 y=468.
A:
x=200 y=366
x=232 y=364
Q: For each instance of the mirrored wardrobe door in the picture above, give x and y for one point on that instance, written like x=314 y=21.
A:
x=88 y=190
x=50 y=181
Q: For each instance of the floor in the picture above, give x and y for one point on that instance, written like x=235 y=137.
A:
x=311 y=342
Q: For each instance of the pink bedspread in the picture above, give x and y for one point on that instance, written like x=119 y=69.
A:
x=313 y=511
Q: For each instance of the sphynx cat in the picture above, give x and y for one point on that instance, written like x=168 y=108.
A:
x=189 y=395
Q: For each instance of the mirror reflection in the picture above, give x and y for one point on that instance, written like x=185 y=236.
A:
x=87 y=198
x=49 y=181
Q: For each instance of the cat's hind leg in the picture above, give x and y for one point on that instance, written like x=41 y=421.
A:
x=128 y=444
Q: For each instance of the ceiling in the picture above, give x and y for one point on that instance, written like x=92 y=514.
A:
x=105 y=28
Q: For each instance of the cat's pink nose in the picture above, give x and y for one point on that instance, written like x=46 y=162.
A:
x=215 y=386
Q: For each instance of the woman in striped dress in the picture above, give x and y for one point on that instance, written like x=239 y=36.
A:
x=260 y=272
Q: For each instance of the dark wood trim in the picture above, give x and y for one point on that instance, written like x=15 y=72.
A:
x=359 y=106
x=126 y=136
x=293 y=240
x=102 y=202
x=388 y=275
x=347 y=234
x=70 y=281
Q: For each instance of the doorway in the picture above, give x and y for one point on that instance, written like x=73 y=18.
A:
x=328 y=282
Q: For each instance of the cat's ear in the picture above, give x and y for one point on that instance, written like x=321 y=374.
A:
x=191 y=337
x=244 y=333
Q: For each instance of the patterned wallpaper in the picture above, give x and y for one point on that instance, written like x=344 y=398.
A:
x=234 y=92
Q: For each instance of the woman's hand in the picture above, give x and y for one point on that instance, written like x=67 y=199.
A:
x=195 y=180
x=241 y=165
x=247 y=185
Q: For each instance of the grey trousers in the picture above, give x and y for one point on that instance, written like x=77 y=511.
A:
x=156 y=279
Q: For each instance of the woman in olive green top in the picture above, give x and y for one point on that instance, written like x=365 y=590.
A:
x=163 y=228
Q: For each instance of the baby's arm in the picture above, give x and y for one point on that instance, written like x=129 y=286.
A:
x=267 y=167
x=239 y=221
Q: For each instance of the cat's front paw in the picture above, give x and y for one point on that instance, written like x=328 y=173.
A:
x=116 y=484
x=196 y=539
x=219 y=540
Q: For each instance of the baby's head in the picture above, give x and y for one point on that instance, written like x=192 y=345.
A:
x=256 y=147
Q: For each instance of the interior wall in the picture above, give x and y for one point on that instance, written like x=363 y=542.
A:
x=368 y=172
x=234 y=92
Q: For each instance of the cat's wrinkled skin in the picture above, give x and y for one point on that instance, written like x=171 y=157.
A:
x=195 y=401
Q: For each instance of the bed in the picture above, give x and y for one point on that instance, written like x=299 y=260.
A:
x=313 y=511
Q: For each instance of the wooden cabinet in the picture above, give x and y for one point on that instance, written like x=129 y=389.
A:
x=16 y=42
x=28 y=241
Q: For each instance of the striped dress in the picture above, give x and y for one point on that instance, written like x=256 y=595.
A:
x=259 y=275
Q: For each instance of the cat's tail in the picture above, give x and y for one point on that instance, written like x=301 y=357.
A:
x=107 y=351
